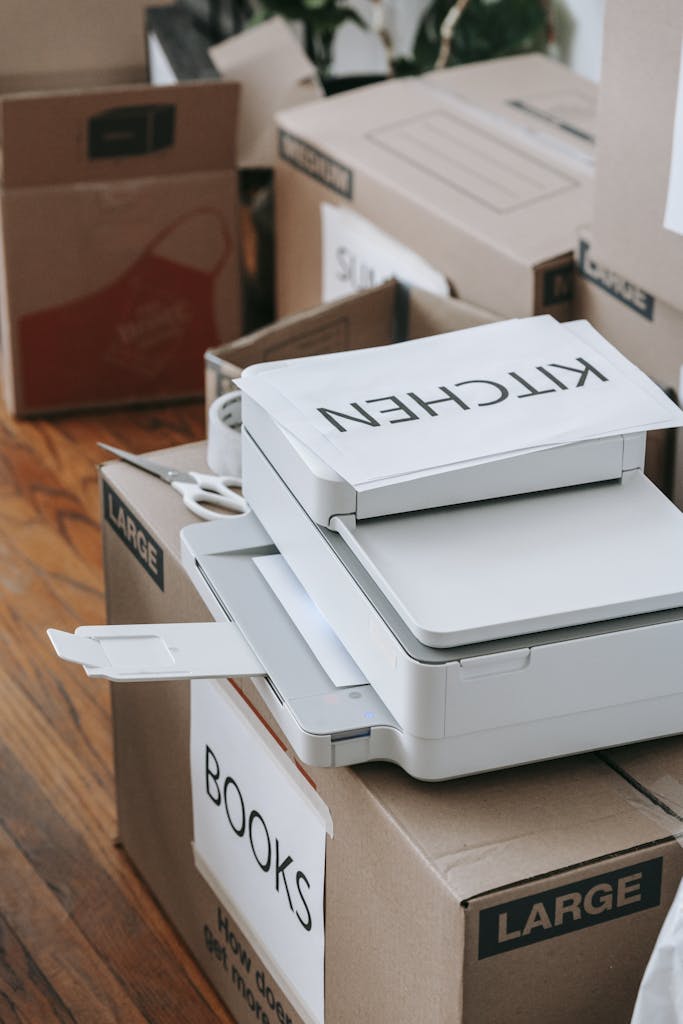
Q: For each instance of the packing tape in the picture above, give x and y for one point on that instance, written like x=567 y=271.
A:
x=224 y=443
x=661 y=800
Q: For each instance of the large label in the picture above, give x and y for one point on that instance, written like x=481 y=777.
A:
x=316 y=164
x=134 y=535
x=630 y=294
x=259 y=838
x=568 y=908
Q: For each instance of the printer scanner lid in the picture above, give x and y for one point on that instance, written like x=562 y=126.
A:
x=320 y=473
x=524 y=564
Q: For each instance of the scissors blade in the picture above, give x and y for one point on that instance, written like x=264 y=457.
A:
x=142 y=462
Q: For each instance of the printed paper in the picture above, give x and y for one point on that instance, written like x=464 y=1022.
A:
x=314 y=628
x=259 y=836
x=673 y=214
x=459 y=399
x=357 y=255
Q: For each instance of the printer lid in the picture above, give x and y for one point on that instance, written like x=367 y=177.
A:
x=490 y=570
x=460 y=434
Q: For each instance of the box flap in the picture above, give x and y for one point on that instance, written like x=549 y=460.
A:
x=43 y=42
x=501 y=829
x=656 y=769
x=275 y=73
x=117 y=133
x=476 y=160
x=640 y=113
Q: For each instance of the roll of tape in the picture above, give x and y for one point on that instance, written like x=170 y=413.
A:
x=224 y=447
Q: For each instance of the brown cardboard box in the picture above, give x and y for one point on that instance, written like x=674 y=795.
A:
x=388 y=313
x=484 y=170
x=119 y=238
x=637 y=109
x=70 y=44
x=649 y=332
x=274 y=72
x=531 y=894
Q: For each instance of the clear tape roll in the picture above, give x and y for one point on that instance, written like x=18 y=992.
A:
x=224 y=443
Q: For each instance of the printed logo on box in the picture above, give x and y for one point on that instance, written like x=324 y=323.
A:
x=631 y=295
x=316 y=164
x=569 y=908
x=134 y=535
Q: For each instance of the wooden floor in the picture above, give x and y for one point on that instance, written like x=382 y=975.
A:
x=81 y=938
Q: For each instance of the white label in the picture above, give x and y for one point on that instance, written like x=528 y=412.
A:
x=259 y=837
x=357 y=255
x=459 y=399
x=673 y=215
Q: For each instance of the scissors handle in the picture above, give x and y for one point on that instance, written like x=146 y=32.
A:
x=209 y=493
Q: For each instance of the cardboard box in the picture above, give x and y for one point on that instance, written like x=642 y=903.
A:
x=70 y=44
x=638 y=224
x=483 y=170
x=531 y=894
x=649 y=332
x=119 y=243
x=391 y=312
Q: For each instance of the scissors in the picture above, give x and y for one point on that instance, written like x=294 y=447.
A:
x=199 y=490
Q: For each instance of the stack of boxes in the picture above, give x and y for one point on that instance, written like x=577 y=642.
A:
x=535 y=893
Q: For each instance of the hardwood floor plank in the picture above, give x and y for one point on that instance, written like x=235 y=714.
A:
x=81 y=937
x=68 y=971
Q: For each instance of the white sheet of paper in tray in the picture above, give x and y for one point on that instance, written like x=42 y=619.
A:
x=460 y=398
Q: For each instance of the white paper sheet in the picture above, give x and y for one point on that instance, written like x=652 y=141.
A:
x=673 y=214
x=272 y=814
x=502 y=388
x=314 y=628
x=356 y=254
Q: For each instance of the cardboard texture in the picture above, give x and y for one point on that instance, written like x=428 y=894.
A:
x=119 y=242
x=72 y=44
x=638 y=99
x=274 y=73
x=484 y=170
x=649 y=332
x=531 y=894
x=378 y=316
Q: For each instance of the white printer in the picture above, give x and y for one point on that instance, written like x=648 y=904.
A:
x=521 y=603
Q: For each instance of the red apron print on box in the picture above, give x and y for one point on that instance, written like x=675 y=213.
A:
x=142 y=336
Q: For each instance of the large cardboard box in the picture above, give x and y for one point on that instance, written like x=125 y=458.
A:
x=638 y=225
x=389 y=313
x=484 y=171
x=119 y=243
x=531 y=894
x=650 y=333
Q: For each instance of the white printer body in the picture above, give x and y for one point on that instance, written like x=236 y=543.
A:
x=480 y=615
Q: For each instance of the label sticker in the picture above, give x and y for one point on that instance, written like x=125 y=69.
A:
x=468 y=396
x=259 y=840
x=568 y=908
x=137 y=539
x=357 y=255
x=631 y=295
x=316 y=164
